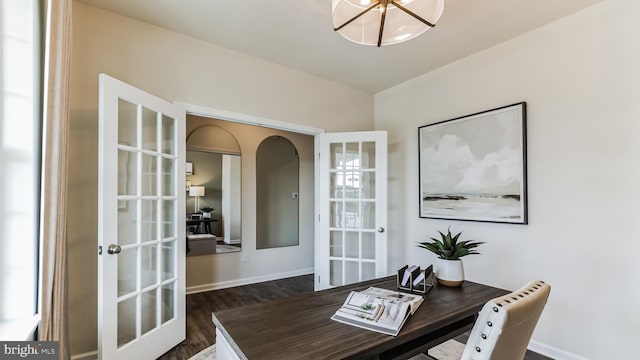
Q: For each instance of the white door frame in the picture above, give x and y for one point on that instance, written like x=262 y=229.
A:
x=240 y=118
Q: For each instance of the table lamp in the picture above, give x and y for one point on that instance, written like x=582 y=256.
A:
x=197 y=191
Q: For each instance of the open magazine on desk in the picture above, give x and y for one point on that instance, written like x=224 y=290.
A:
x=376 y=309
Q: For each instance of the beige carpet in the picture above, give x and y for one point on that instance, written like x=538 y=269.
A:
x=206 y=354
x=223 y=248
x=450 y=350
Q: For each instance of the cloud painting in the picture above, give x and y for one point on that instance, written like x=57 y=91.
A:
x=473 y=168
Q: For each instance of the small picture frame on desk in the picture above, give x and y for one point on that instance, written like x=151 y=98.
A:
x=195 y=217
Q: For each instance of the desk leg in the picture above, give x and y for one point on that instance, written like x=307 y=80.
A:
x=223 y=348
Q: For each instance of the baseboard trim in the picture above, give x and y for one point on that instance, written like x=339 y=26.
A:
x=247 y=281
x=91 y=355
x=552 y=352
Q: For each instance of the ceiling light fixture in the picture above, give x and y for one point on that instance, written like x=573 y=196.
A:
x=394 y=21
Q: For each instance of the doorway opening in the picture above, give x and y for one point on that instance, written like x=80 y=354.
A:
x=253 y=263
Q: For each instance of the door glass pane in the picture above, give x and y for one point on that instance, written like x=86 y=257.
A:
x=368 y=155
x=149 y=130
x=335 y=150
x=368 y=185
x=149 y=220
x=352 y=273
x=337 y=185
x=368 y=245
x=168 y=181
x=352 y=215
x=127 y=123
x=352 y=156
x=168 y=307
x=127 y=166
x=352 y=184
x=126 y=321
x=127 y=214
x=168 y=135
x=368 y=271
x=148 y=310
x=351 y=244
x=335 y=272
x=168 y=253
x=149 y=175
x=368 y=215
x=336 y=244
x=168 y=224
x=335 y=209
x=149 y=265
x=126 y=271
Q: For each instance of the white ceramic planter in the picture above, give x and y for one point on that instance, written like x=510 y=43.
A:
x=450 y=272
x=206 y=215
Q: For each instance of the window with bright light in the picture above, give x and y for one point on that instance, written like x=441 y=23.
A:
x=20 y=123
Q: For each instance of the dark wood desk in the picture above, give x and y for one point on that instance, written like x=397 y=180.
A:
x=300 y=327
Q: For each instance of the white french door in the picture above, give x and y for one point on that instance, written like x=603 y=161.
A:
x=351 y=242
x=141 y=266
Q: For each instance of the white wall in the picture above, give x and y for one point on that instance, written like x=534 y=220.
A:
x=581 y=79
x=177 y=68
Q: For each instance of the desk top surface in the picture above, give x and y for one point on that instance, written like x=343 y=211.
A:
x=300 y=327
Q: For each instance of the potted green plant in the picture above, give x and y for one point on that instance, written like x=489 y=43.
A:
x=449 y=269
x=206 y=211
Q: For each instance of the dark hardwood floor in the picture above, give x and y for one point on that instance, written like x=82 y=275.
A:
x=200 y=330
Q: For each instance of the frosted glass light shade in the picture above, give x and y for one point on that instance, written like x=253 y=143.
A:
x=196 y=190
x=399 y=25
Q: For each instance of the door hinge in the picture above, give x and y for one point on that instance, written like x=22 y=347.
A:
x=99 y=249
x=318 y=279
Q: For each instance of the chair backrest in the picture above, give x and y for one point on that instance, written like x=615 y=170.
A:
x=505 y=324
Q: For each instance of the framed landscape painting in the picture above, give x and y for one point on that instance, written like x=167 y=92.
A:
x=474 y=167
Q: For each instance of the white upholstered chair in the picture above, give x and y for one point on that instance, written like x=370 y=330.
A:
x=505 y=324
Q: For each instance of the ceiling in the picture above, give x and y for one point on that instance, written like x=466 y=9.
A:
x=299 y=33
